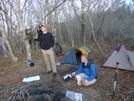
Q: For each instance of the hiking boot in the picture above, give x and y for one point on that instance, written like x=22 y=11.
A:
x=48 y=72
x=54 y=75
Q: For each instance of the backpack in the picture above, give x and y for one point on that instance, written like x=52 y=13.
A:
x=57 y=48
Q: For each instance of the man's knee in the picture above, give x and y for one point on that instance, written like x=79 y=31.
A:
x=85 y=83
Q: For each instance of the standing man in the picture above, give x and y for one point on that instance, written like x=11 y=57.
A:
x=46 y=45
x=86 y=74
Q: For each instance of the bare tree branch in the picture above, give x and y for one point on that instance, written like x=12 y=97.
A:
x=51 y=12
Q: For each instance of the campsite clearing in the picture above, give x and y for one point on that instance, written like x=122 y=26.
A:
x=11 y=80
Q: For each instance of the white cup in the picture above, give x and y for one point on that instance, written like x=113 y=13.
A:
x=79 y=79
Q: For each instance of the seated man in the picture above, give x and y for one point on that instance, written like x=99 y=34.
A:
x=86 y=74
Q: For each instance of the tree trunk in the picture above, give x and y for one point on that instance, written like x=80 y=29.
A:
x=28 y=49
x=70 y=33
x=15 y=59
x=84 y=32
x=81 y=20
x=26 y=40
x=94 y=37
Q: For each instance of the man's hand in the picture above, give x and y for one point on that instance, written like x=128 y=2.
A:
x=73 y=74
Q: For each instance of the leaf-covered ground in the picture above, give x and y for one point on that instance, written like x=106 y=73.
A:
x=12 y=74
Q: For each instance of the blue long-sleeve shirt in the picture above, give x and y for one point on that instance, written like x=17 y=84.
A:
x=90 y=71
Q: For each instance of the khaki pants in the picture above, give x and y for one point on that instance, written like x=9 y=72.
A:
x=81 y=77
x=49 y=60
